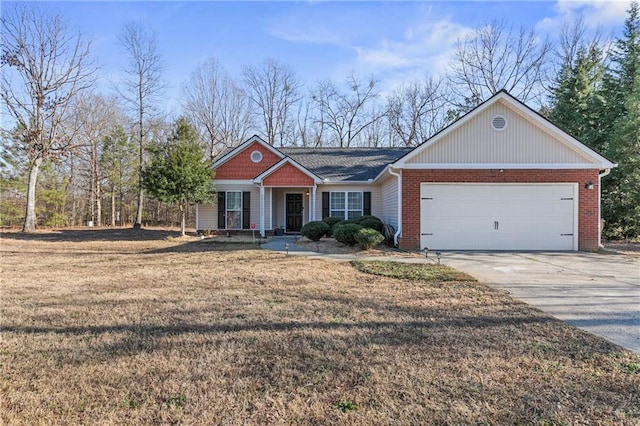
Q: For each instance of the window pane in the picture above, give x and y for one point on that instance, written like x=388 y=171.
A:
x=337 y=201
x=355 y=201
x=354 y=214
x=234 y=200
x=234 y=220
x=337 y=213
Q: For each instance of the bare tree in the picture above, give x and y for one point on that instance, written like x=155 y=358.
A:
x=309 y=130
x=218 y=107
x=43 y=67
x=95 y=117
x=273 y=90
x=497 y=58
x=141 y=87
x=417 y=111
x=347 y=114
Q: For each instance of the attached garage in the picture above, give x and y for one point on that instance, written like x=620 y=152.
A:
x=499 y=216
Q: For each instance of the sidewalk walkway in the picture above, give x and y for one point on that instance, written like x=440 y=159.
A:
x=279 y=244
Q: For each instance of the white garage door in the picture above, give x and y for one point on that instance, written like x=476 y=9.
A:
x=498 y=216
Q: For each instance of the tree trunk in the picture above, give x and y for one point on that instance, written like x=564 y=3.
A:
x=183 y=221
x=98 y=204
x=30 y=214
x=113 y=206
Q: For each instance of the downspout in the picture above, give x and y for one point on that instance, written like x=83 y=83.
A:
x=399 y=231
x=600 y=176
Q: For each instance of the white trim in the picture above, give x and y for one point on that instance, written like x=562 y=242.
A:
x=197 y=218
x=275 y=167
x=601 y=162
x=510 y=166
x=271 y=207
x=348 y=182
x=233 y=181
x=262 y=234
x=313 y=202
x=237 y=150
x=399 y=230
x=258 y=156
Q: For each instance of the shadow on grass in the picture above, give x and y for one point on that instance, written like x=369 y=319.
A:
x=93 y=234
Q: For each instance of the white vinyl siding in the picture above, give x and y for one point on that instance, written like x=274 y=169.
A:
x=208 y=213
x=521 y=142
x=389 y=197
x=207 y=217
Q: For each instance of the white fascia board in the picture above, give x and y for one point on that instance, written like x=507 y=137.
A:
x=382 y=173
x=263 y=175
x=229 y=155
x=510 y=166
x=349 y=182
x=232 y=181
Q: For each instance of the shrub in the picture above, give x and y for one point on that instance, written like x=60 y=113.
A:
x=346 y=233
x=372 y=223
x=368 y=238
x=331 y=221
x=315 y=230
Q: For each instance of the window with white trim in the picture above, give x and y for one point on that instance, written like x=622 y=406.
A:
x=345 y=205
x=234 y=209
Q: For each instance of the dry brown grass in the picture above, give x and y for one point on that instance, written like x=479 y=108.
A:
x=136 y=328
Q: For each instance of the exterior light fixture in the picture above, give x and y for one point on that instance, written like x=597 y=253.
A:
x=286 y=246
x=438 y=254
x=426 y=252
x=589 y=185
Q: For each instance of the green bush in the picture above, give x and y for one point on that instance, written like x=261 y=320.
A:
x=315 y=230
x=346 y=233
x=331 y=221
x=372 y=222
x=368 y=238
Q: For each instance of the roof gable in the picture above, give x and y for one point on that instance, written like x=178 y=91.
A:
x=527 y=141
x=238 y=164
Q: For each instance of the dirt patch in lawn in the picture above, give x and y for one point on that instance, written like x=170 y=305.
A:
x=176 y=330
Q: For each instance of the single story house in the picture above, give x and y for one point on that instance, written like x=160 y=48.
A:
x=501 y=177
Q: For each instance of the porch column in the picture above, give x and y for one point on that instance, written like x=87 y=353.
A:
x=262 y=211
x=313 y=202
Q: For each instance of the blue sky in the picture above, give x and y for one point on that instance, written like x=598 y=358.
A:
x=395 y=41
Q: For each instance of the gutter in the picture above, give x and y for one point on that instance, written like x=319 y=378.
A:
x=600 y=176
x=399 y=231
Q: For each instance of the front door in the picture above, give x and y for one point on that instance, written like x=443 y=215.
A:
x=294 y=212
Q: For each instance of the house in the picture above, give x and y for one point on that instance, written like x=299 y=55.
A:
x=501 y=177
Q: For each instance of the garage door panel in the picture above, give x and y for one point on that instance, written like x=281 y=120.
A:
x=498 y=216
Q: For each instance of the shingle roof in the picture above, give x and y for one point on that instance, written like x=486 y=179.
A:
x=345 y=164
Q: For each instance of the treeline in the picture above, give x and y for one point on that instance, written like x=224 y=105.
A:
x=74 y=155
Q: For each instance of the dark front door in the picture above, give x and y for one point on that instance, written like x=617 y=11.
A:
x=294 y=212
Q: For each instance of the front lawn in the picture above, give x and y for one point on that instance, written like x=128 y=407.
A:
x=163 y=330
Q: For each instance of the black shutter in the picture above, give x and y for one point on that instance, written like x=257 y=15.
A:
x=366 y=203
x=222 y=223
x=325 y=205
x=246 y=210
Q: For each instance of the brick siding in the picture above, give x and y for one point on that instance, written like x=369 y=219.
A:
x=588 y=221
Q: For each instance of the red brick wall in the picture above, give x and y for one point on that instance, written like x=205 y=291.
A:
x=288 y=175
x=587 y=199
x=241 y=166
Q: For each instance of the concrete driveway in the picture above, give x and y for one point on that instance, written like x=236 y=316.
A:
x=599 y=293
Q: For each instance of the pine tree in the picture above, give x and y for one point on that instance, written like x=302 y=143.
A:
x=621 y=92
x=178 y=171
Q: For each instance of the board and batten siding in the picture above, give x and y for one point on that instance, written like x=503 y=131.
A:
x=521 y=142
x=208 y=213
x=375 y=196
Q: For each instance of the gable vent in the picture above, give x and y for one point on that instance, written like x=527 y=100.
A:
x=498 y=122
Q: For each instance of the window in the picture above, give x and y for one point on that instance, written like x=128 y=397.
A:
x=345 y=205
x=256 y=156
x=234 y=210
